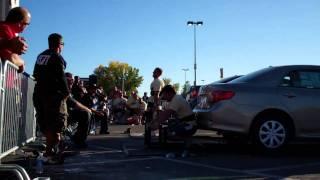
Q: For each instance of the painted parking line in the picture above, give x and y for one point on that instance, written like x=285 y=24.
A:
x=284 y=167
x=88 y=163
x=223 y=169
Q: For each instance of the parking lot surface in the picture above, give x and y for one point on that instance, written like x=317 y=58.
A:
x=123 y=156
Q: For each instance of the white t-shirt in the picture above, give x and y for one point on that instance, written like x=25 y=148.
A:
x=180 y=106
x=156 y=85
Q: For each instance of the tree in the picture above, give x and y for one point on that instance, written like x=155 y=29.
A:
x=118 y=74
x=176 y=87
x=167 y=81
x=185 y=88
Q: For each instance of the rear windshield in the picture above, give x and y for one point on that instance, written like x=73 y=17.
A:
x=252 y=76
x=227 y=79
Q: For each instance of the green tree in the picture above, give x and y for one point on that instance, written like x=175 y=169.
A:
x=185 y=88
x=176 y=87
x=118 y=74
x=167 y=81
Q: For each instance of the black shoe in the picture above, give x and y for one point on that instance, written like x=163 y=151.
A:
x=54 y=160
x=104 y=132
x=127 y=131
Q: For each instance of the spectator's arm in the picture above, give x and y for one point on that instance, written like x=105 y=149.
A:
x=17 y=45
x=59 y=73
x=80 y=106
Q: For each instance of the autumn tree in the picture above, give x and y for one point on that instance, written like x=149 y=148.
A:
x=167 y=81
x=118 y=74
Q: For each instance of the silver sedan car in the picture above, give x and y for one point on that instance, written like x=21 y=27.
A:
x=270 y=106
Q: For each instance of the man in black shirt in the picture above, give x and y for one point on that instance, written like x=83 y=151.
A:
x=50 y=94
x=78 y=113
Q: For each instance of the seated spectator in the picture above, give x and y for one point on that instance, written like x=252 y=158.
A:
x=136 y=107
x=184 y=123
x=80 y=114
x=16 y=21
x=98 y=106
x=119 y=108
x=77 y=90
x=103 y=117
x=133 y=105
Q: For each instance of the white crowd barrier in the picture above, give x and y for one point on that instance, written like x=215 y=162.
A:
x=17 y=114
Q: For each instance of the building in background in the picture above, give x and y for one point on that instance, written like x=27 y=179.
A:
x=5 y=6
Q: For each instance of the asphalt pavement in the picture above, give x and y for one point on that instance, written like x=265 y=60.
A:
x=124 y=157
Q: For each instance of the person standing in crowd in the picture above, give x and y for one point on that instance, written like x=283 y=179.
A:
x=50 y=94
x=16 y=21
x=145 y=97
x=156 y=86
x=154 y=100
x=78 y=113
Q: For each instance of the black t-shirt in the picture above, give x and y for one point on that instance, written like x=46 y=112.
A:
x=49 y=74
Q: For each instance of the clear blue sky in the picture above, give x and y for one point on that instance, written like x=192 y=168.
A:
x=239 y=35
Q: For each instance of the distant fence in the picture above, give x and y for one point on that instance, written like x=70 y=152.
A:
x=17 y=114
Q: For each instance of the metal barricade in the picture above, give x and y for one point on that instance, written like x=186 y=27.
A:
x=1 y=95
x=17 y=123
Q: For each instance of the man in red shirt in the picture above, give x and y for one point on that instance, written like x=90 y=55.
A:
x=16 y=21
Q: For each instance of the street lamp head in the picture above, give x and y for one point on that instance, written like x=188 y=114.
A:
x=190 y=23
x=199 y=23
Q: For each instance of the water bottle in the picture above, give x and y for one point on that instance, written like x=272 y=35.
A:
x=39 y=164
x=185 y=154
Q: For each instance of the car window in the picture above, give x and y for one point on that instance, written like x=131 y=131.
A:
x=302 y=79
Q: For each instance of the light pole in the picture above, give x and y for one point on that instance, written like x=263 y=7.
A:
x=195 y=24
x=123 y=73
x=185 y=74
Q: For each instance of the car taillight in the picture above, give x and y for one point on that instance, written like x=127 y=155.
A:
x=194 y=94
x=217 y=96
x=207 y=99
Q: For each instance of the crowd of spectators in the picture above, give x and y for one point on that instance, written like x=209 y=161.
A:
x=62 y=101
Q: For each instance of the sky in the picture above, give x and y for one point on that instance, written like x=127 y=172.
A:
x=239 y=36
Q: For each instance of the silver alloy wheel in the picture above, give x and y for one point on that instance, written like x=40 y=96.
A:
x=272 y=134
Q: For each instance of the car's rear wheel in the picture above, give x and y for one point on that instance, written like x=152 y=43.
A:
x=271 y=133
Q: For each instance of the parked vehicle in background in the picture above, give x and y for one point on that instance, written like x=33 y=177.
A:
x=192 y=95
x=270 y=106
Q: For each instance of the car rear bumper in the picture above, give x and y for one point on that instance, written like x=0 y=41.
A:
x=226 y=117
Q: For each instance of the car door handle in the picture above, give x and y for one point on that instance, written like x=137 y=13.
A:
x=289 y=95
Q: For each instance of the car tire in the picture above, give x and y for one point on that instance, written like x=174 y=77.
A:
x=271 y=133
